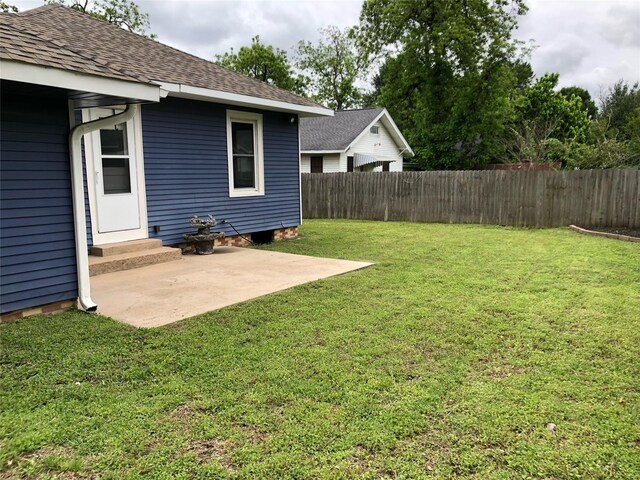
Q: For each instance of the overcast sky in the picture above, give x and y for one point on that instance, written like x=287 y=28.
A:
x=591 y=43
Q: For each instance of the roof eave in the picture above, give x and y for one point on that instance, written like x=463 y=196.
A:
x=397 y=134
x=219 y=96
x=76 y=81
x=319 y=152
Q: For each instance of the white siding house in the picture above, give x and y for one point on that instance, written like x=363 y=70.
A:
x=352 y=140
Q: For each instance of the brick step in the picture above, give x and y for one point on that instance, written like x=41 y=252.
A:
x=120 y=248
x=131 y=260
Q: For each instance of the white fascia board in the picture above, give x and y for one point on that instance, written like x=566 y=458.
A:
x=56 y=77
x=218 y=96
x=320 y=152
x=393 y=130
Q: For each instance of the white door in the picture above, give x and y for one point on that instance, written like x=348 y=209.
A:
x=115 y=180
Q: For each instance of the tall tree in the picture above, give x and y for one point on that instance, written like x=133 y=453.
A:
x=265 y=63
x=523 y=74
x=334 y=66
x=448 y=73
x=124 y=13
x=618 y=105
x=546 y=124
x=587 y=102
x=542 y=103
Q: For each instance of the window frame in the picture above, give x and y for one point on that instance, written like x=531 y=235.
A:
x=377 y=130
x=255 y=119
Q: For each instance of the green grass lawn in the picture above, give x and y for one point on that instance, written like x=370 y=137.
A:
x=447 y=358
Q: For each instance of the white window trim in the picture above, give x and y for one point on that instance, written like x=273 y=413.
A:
x=256 y=120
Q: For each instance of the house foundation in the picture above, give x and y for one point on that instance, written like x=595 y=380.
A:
x=243 y=240
x=48 y=309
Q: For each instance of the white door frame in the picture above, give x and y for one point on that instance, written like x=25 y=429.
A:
x=89 y=153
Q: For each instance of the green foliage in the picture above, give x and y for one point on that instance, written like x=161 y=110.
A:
x=124 y=13
x=264 y=63
x=547 y=126
x=448 y=73
x=618 y=106
x=566 y=117
x=445 y=359
x=587 y=102
x=7 y=7
x=632 y=130
x=605 y=151
x=523 y=74
x=632 y=125
x=334 y=66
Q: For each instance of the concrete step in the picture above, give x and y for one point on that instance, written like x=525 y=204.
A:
x=120 y=248
x=130 y=260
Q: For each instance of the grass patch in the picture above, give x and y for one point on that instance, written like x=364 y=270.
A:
x=447 y=358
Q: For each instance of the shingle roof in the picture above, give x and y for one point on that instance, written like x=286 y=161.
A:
x=22 y=46
x=337 y=132
x=57 y=36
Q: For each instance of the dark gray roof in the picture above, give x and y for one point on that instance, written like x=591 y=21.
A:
x=59 y=37
x=337 y=132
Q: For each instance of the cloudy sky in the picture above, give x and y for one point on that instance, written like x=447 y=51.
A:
x=591 y=43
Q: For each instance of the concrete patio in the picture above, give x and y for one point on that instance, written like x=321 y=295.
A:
x=160 y=294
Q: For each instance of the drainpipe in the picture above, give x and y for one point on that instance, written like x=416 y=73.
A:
x=77 y=191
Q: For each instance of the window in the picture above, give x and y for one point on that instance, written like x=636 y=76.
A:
x=116 y=175
x=316 y=165
x=375 y=130
x=244 y=145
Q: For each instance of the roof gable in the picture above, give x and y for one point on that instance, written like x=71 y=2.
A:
x=345 y=128
x=337 y=132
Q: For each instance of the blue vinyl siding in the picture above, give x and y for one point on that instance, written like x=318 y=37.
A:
x=185 y=163
x=37 y=248
x=78 y=120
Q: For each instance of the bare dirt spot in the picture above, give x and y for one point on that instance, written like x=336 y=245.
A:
x=255 y=436
x=504 y=371
x=497 y=368
x=361 y=460
x=219 y=450
x=15 y=468
x=183 y=412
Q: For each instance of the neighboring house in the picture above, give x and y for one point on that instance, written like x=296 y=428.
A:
x=352 y=141
x=177 y=136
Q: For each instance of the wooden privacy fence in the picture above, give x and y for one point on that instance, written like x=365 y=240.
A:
x=606 y=198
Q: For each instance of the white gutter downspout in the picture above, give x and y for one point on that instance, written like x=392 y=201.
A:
x=77 y=191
